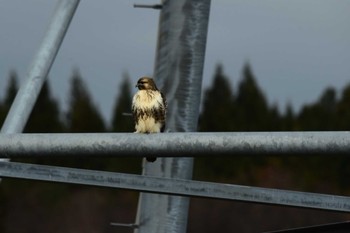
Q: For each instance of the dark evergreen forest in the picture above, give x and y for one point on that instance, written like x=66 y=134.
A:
x=33 y=206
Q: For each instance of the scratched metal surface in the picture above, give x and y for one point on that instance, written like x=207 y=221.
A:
x=175 y=145
x=171 y=186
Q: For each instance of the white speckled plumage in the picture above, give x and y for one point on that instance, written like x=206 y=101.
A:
x=146 y=100
x=148 y=108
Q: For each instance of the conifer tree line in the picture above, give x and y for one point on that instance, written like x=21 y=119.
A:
x=249 y=110
x=244 y=108
x=82 y=114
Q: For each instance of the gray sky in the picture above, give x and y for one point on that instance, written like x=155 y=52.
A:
x=296 y=48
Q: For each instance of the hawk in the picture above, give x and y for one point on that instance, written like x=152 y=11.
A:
x=149 y=109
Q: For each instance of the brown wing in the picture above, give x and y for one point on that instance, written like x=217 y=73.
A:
x=160 y=113
x=134 y=113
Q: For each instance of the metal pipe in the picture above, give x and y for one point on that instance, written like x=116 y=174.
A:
x=183 y=29
x=39 y=69
x=174 y=144
x=171 y=186
x=183 y=26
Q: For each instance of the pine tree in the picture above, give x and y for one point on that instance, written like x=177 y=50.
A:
x=11 y=90
x=10 y=95
x=343 y=110
x=45 y=117
x=274 y=119
x=121 y=122
x=320 y=115
x=218 y=108
x=2 y=113
x=288 y=120
x=252 y=108
x=327 y=104
x=82 y=115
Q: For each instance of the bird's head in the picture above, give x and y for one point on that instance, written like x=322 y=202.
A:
x=146 y=83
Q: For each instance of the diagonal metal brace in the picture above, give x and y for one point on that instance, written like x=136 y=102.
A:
x=175 y=186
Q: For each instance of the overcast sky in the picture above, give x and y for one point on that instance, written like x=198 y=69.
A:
x=296 y=48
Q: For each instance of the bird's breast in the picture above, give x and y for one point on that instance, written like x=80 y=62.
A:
x=147 y=99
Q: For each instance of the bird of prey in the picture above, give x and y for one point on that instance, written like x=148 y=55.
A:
x=149 y=109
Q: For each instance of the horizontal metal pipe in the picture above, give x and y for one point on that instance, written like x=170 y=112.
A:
x=174 y=144
x=175 y=186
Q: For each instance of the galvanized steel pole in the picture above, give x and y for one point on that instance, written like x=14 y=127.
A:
x=174 y=144
x=39 y=69
x=178 y=71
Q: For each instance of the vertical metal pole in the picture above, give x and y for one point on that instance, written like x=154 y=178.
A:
x=178 y=71
x=27 y=95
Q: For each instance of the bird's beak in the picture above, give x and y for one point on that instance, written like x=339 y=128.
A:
x=137 y=85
